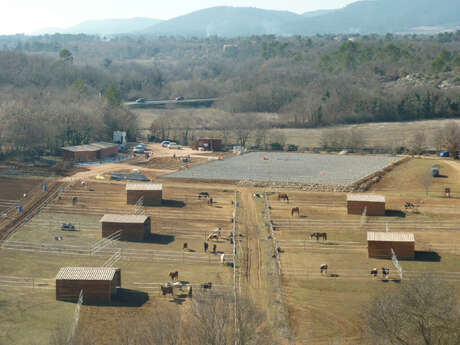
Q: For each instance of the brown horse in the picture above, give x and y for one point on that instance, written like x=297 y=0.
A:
x=167 y=290
x=283 y=196
x=295 y=210
x=174 y=275
x=318 y=235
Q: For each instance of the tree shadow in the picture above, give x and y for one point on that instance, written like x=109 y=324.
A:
x=172 y=203
x=395 y=213
x=427 y=256
x=160 y=239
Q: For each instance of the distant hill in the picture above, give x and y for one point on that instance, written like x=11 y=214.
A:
x=381 y=16
x=105 y=27
x=226 y=21
x=317 y=13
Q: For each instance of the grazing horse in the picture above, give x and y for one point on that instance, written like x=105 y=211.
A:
x=210 y=201
x=323 y=268
x=295 y=210
x=174 y=275
x=74 y=200
x=374 y=273
x=190 y=291
x=385 y=272
x=283 y=196
x=447 y=191
x=185 y=246
x=203 y=195
x=323 y=235
x=205 y=246
x=214 y=248
x=206 y=285
x=167 y=290
x=215 y=235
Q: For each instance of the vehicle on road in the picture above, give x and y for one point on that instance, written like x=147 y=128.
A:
x=165 y=143
x=180 y=98
x=67 y=227
x=140 y=100
x=138 y=150
x=141 y=146
x=174 y=147
x=171 y=143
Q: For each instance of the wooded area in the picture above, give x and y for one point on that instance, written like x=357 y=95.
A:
x=66 y=89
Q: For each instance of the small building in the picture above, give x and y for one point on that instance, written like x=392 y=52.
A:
x=151 y=193
x=379 y=245
x=133 y=227
x=374 y=204
x=99 y=284
x=208 y=145
x=89 y=152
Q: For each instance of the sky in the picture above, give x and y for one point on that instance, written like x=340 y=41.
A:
x=27 y=16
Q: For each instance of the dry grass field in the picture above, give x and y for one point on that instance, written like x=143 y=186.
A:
x=319 y=309
x=13 y=189
x=34 y=252
x=327 y=309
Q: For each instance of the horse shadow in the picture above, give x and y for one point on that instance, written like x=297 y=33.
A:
x=395 y=213
x=160 y=239
x=427 y=256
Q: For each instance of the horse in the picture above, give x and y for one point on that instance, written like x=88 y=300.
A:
x=167 y=290
x=283 y=196
x=214 y=248
x=323 y=268
x=323 y=235
x=215 y=235
x=203 y=195
x=206 y=285
x=189 y=291
x=205 y=246
x=295 y=210
x=385 y=272
x=374 y=273
x=174 y=275
x=185 y=247
x=210 y=201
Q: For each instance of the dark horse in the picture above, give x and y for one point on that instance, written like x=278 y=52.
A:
x=323 y=235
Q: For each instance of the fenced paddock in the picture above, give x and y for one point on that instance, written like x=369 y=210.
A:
x=290 y=168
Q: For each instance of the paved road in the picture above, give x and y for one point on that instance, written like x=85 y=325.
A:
x=194 y=101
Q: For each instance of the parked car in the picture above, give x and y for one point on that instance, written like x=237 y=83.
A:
x=174 y=147
x=180 y=98
x=171 y=143
x=444 y=154
x=141 y=146
x=140 y=100
x=138 y=150
x=165 y=143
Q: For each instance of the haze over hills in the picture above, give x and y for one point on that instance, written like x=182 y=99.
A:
x=104 y=27
x=366 y=16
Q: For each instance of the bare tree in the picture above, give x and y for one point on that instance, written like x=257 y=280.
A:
x=424 y=310
x=417 y=143
x=451 y=138
x=427 y=181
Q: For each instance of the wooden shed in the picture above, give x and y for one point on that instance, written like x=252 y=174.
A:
x=133 y=227
x=152 y=193
x=89 y=152
x=374 y=204
x=99 y=284
x=208 y=144
x=379 y=244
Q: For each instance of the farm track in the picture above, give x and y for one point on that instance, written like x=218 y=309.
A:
x=30 y=211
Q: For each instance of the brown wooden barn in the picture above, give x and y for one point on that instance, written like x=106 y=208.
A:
x=208 y=144
x=99 y=284
x=379 y=244
x=133 y=227
x=152 y=193
x=90 y=152
x=374 y=204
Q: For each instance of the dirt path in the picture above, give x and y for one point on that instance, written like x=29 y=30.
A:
x=249 y=223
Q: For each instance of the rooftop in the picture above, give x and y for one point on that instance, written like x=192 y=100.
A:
x=391 y=236
x=365 y=197
x=89 y=147
x=143 y=186
x=86 y=273
x=123 y=218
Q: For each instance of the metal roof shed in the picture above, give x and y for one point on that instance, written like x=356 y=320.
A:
x=151 y=193
x=373 y=204
x=379 y=244
x=133 y=227
x=99 y=284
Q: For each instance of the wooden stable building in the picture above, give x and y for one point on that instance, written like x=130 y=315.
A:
x=379 y=245
x=373 y=204
x=152 y=193
x=133 y=227
x=208 y=144
x=99 y=284
x=90 y=152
